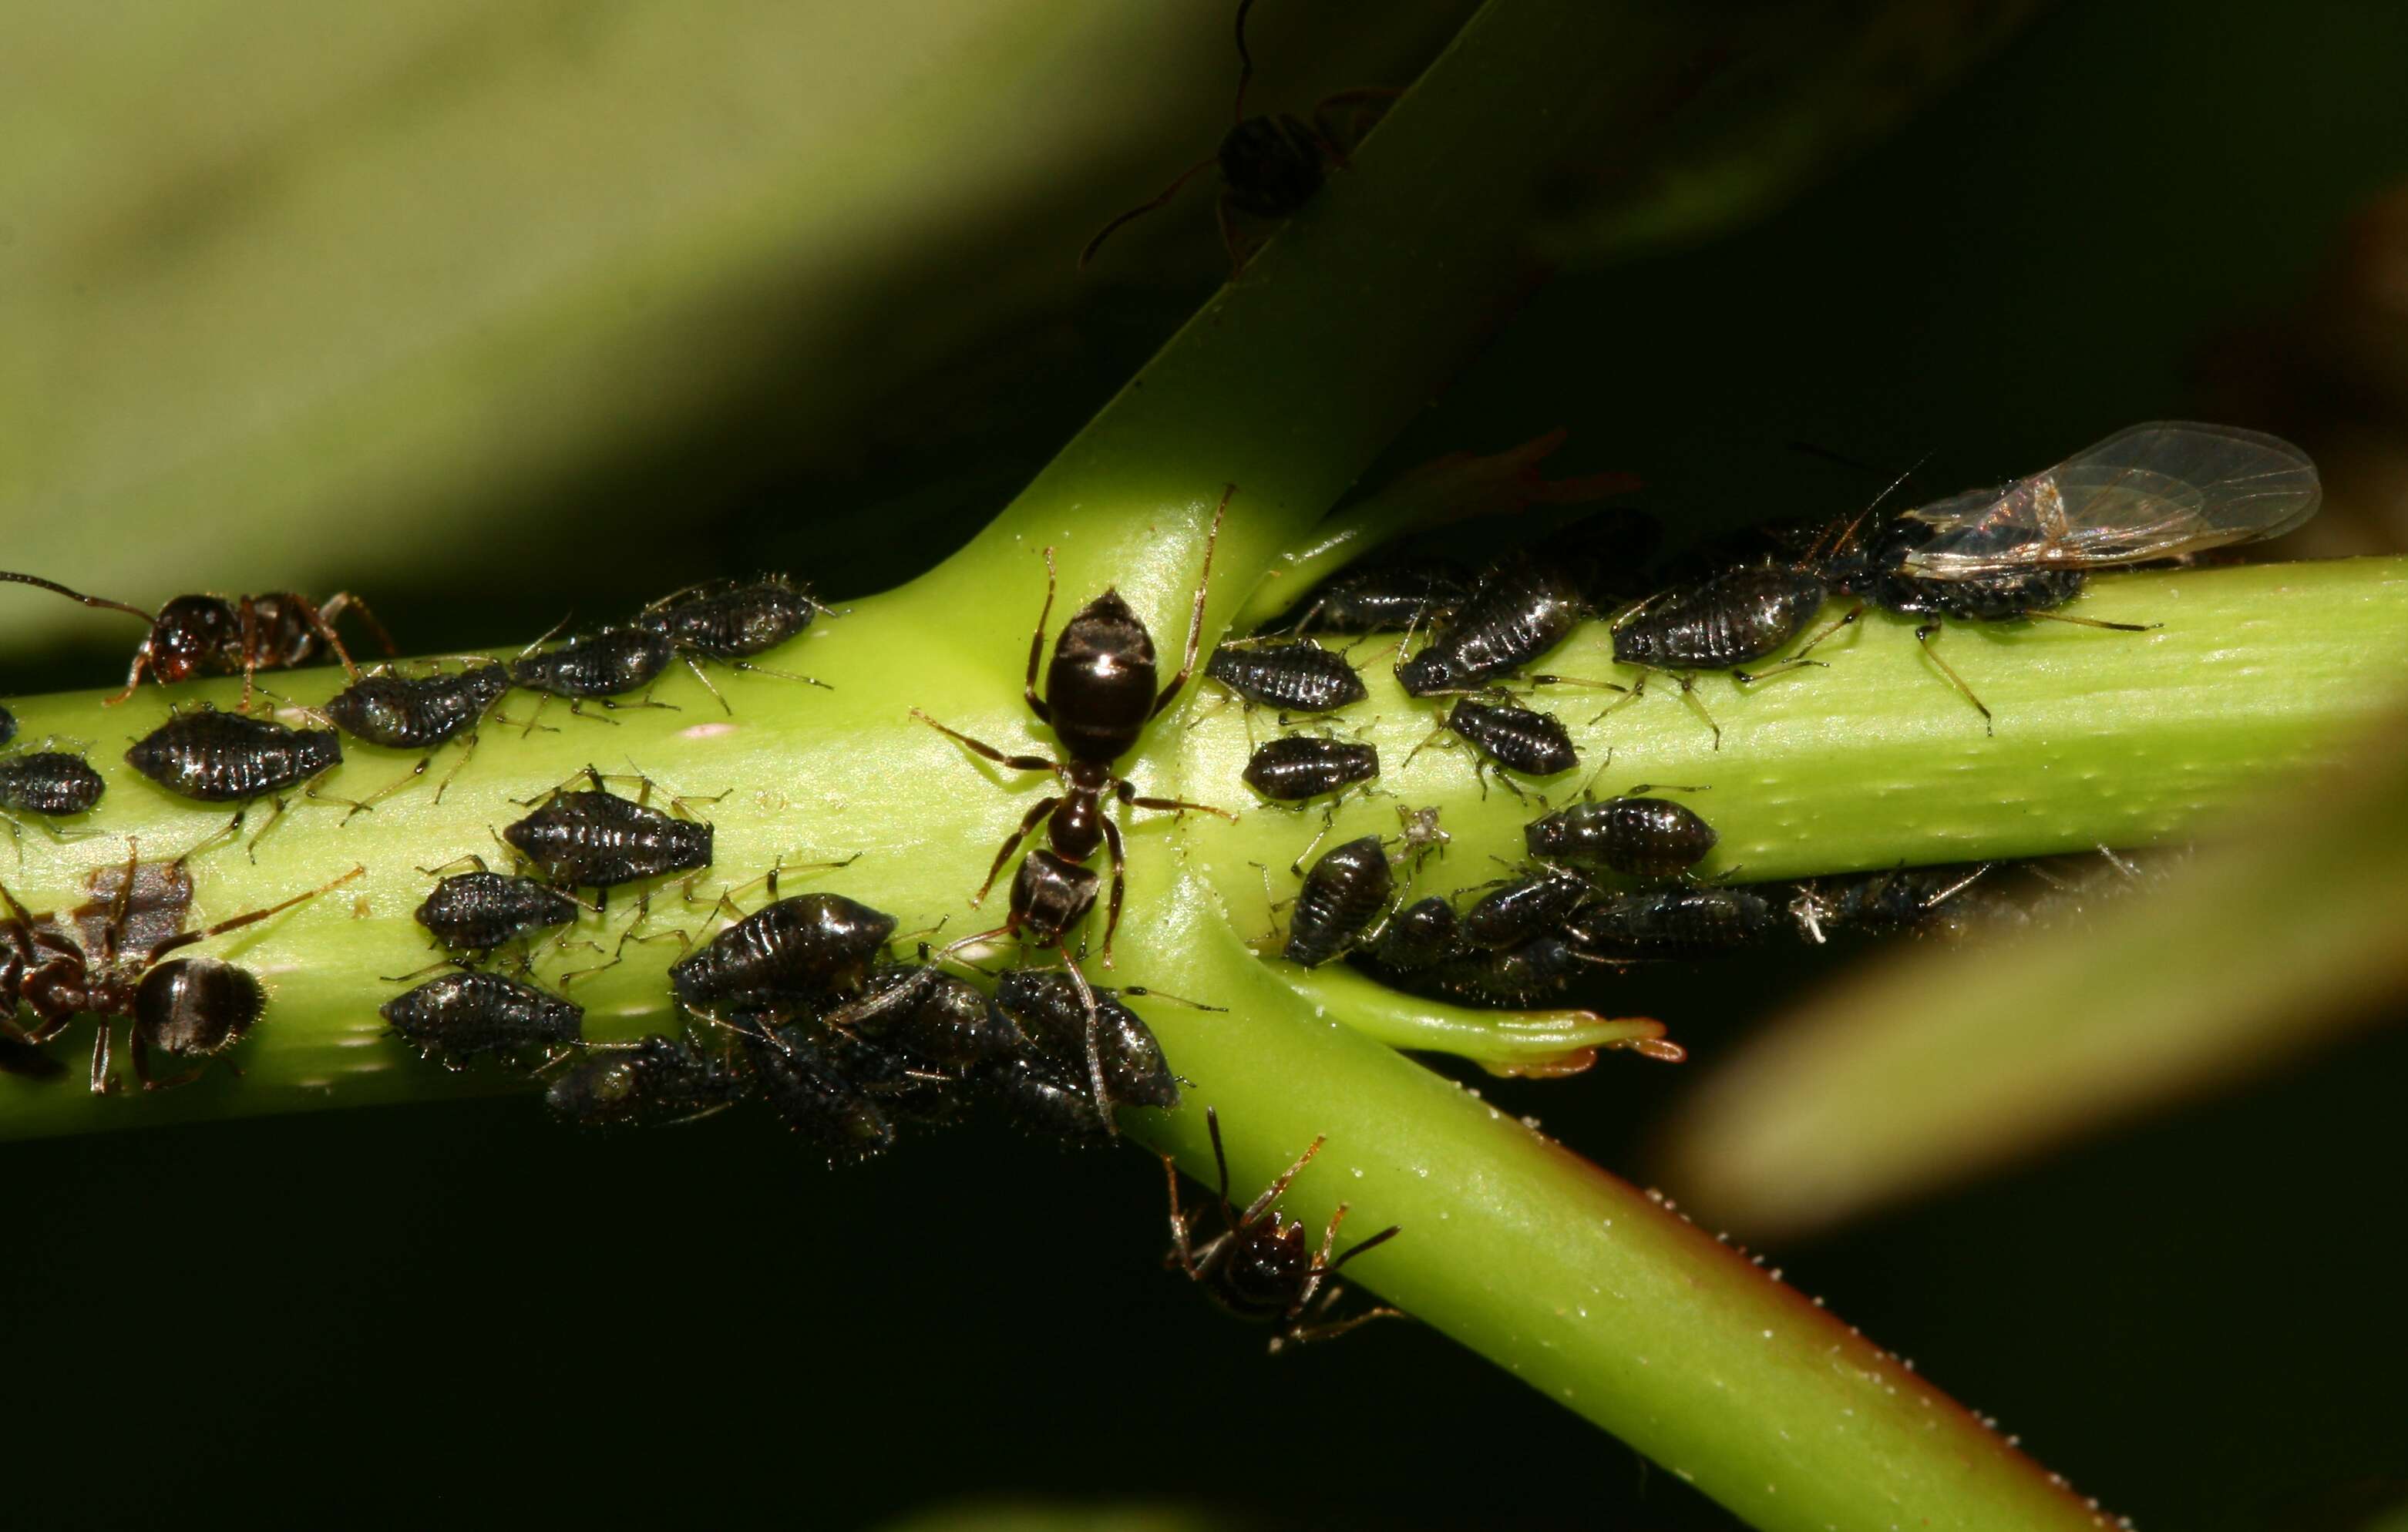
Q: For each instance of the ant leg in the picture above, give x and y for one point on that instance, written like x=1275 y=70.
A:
x=1922 y=635
x=104 y=1081
x=321 y=619
x=1029 y=822
x=141 y=1052
x=1036 y=641
x=1017 y=763
x=1094 y=1042
x=1179 y=1251
x=1120 y=882
x=342 y=601
x=1087 y=256
x=1196 y=617
x=696 y=665
x=1304 y=1335
x=231 y=830
x=1747 y=677
x=1272 y=1192
x=250 y=652
x=185 y=938
x=2091 y=622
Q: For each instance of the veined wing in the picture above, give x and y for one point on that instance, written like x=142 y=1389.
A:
x=2157 y=491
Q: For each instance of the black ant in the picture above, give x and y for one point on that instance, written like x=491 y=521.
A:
x=219 y=636
x=1271 y=165
x=1259 y=1266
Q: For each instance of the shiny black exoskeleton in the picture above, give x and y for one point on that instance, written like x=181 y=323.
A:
x=1636 y=837
x=1537 y=974
x=600 y=666
x=1389 y=597
x=1342 y=894
x=1422 y=933
x=1050 y=897
x=938 y=1019
x=1271 y=165
x=1294 y=674
x=1260 y=1265
x=844 y=1094
x=1297 y=766
x=215 y=635
x=1517 y=739
x=789 y=956
x=599 y=840
x=416 y=714
x=1100 y=695
x=49 y=782
x=658 y=1080
x=193 y=1008
x=474 y=913
x=8 y=725
x=732 y=619
x=1672 y=923
x=460 y=1016
x=1737 y=618
x=1522 y=909
x=1520 y=610
x=1875 y=572
x=1047 y=1007
x=230 y=757
x=1900 y=898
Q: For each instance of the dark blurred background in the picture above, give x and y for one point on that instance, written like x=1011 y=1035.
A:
x=2139 y=208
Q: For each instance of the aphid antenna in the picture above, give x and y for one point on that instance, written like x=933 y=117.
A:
x=1140 y=990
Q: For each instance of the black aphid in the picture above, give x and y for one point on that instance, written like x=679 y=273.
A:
x=1539 y=974
x=1297 y=766
x=842 y=1093
x=1520 y=610
x=598 y=840
x=1423 y=933
x=1518 y=739
x=731 y=621
x=1672 y=923
x=1523 y=909
x=402 y=712
x=1051 y=1013
x=1387 y=597
x=940 y=1019
x=1294 y=674
x=49 y=782
x=216 y=757
x=601 y=665
x=811 y=950
x=1636 y=837
x=473 y=914
x=1259 y=1266
x=1342 y=894
x=460 y=1016
x=1897 y=899
x=658 y=1080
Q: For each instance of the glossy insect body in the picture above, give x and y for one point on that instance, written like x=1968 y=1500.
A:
x=1636 y=837
x=1297 y=766
x=940 y=1020
x=1672 y=923
x=229 y=757
x=658 y=1080
x=1523 y=909
x=732 y=619
x=50 y=782
x=605 y=663
x=1520 y=610
x=1295 y=675
x=1737 y=618
x=476 y=912
x=840 y=1093
x=1380 y=598
x=599 y=840
x=459 y=1016
x=1054 y=1100
x=416 y=714
x=1049 y=1010
x=1897 y=899
x=1420 y=935
x=811 y=950
x=187 y=1007
x=1260 y=1267
x=1342 y=894
x=1537 y=974
x=212 y=636
x=1517 y=739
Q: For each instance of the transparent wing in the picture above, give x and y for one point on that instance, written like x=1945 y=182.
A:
x=2154 y=491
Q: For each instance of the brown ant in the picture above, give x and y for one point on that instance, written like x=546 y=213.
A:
x=193 y=1008
x=215 y=635
x=1259 y=1266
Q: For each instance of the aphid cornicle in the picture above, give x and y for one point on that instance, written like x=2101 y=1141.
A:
x=49 y=782
x=1260 y=1266
x=1519 y=609
x=189 y=1007
x=474 y=913
x=461 y=1016
x=1636 y=837
x=657 y=1079
x=1342 y=894
x=1294 y=674
x=1271 y=165
x=1297 y=766
x=598 y=840
x=1672 y=923
x=599 y=667
x=811 y=950
x=1387 y=597
x=1052 y=1014
x=1523 y=909
x=215 y=635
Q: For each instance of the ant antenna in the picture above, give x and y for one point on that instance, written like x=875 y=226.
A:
x=77 y=595
x=1245 y=60
x=1088 y=255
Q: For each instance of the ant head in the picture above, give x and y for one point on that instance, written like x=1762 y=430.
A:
x=194 y=1007
x=1266 y=1264
x=1272 y=165
x=190 y=631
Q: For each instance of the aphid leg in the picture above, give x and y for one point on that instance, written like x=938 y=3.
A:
x=1328 y=822
x=467 y=748
x=1922 y=635
x=1797 y=660
x=1095 y=1042
x=1035 y=647
x=542 y=700
x=1428 y=740
x=782 y=675
x=696 y=665
x=614 y=705
x=1196 y=616
x=309 y=791
x=1029 y=822
x=2092 y=622
x=1698 y=705
x=980 y=747
x=231 y=830
x=1632 y=693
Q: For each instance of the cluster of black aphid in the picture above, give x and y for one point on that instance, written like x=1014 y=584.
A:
x=1610 y=882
